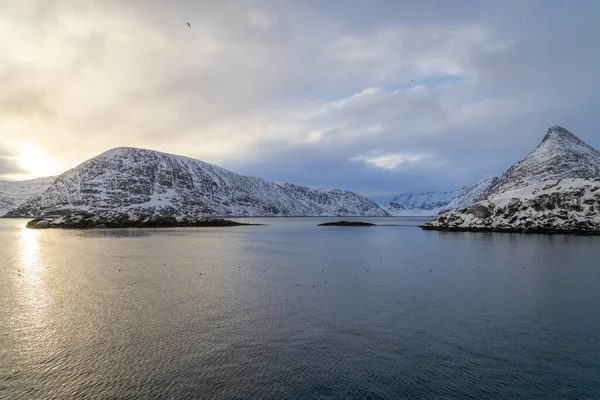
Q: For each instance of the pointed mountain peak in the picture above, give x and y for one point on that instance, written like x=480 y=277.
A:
x=559 y=139
x=561 y=134
x=558 y=130
x=560 y=155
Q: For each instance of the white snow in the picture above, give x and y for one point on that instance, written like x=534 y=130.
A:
x=418 y=204
x=471 y=193
x=15 y=193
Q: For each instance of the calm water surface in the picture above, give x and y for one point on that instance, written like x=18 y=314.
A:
x=291 y=310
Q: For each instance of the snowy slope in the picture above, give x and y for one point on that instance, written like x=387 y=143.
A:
x=134 y=180
x=559 y=206
x=15 y=193
x=471 y=193
x=560 y=155
x=414 y=204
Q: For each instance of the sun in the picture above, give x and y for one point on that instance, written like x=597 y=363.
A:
x=37 y=164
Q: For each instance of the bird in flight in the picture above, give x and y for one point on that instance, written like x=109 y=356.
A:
x=188 y=24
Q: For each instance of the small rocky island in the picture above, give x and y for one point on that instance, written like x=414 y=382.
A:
x=122 y=220
x=347 y=223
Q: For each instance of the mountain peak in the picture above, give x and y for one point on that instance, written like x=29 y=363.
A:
x=558 y=130
x=120 y=151
x=560 y=155
x=560 y=134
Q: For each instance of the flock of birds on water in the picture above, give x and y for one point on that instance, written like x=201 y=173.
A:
x=323 y=270
x=368 y=270
x=264 y=270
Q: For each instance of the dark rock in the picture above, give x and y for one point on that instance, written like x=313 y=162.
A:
x=347 y=223
x=480 y=211
x=38 y=223
x=119 y=220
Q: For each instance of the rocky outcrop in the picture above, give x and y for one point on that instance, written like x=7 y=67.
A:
x=120 y=220
x=562 y=206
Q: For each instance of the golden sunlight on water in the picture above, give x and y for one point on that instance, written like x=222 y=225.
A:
x=29 y=249
x=31 y=289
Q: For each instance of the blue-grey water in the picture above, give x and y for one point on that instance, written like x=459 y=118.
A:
x=290 y=310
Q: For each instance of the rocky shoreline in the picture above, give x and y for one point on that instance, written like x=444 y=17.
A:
x=565 y=206
x=122 y=220
x=531 y=230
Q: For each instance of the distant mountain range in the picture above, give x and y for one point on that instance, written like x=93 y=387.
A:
x=471 y=193
x=15 y=193
x=419 y=203
x=555 y=189
x=432 y=203
x=131 y=180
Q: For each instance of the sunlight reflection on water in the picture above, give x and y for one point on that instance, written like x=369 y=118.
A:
x=29 y=249
x=33 y=298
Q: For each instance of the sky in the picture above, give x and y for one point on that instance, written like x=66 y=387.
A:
x=378 y=96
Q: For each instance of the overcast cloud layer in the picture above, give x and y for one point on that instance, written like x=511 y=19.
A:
x=378 y=97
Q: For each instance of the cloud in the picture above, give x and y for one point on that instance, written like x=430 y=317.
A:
x=287 y=87
x=390 y=52
x=9 y=167
x=390 y=160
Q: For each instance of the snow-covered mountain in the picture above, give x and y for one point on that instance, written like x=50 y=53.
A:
x=471 y=193
x=560 y=206
x=419 y=204
x=556 y=188
x=15 y=193
x=560 y=155
x=131 y=180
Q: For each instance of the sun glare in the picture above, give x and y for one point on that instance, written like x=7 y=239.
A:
x=36 y=163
